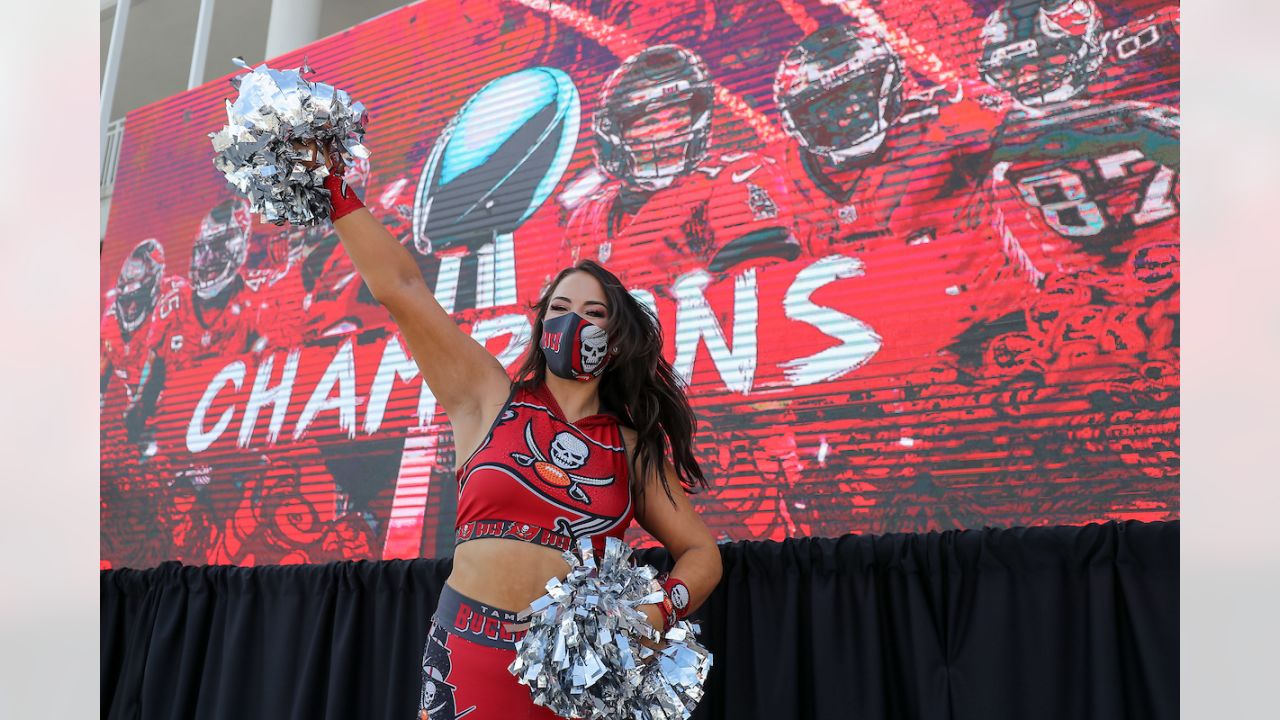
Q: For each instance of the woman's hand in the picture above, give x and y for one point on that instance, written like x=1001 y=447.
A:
x=654 y=614
x=313 y=156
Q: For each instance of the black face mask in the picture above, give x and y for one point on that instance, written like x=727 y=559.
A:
x=574 y=348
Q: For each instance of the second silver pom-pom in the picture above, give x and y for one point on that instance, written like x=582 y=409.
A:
x=582 y=656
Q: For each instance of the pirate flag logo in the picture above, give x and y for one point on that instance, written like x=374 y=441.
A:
x=437 y=701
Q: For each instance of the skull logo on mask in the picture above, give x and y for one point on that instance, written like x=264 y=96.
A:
x=595 y=343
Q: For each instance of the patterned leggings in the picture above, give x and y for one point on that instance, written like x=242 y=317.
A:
x=464 y=665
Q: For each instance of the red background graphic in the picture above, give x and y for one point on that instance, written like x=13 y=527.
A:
x=966 y=365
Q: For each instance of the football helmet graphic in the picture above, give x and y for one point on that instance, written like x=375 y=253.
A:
x=839 y=90
x=221 y=248
x=654 y=120
x=1042 y=51
x=138 y=285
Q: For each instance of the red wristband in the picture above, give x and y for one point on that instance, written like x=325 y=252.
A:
x=668 y=614
x=343 y=199
x=677 y=594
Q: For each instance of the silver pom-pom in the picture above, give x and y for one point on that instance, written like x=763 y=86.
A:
x=581 y=656
x=263 y=152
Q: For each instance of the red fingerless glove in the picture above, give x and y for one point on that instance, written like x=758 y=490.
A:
x=343 y=203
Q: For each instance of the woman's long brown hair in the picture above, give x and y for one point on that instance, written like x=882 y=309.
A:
x=639 y=384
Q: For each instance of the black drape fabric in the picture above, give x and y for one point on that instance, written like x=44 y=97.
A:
x=1065 y=622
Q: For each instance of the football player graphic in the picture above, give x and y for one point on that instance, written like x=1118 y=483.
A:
x=314 y=291
x=1084 y=210
x=218 y=313
x=133 y=328
x=670 y=204
x=1049 y=51
x=896 y=182
x=907 y=181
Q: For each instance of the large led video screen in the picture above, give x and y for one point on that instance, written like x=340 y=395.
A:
x=918 y=263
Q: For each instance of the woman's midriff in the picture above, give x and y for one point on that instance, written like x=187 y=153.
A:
x=507 y=574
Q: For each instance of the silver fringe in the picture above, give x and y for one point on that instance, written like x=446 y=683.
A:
x=581 y=657
x=259 y=148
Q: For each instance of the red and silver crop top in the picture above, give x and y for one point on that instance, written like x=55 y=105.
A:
x=538 y=478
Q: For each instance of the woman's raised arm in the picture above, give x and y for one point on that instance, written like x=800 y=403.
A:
x=465 y=378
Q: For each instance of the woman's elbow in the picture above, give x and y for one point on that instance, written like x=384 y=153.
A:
x=714 y=563
x=396 y=294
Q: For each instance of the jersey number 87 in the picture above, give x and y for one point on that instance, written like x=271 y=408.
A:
x=1063 y=197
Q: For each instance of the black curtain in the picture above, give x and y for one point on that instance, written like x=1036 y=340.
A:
x=1065 y=622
